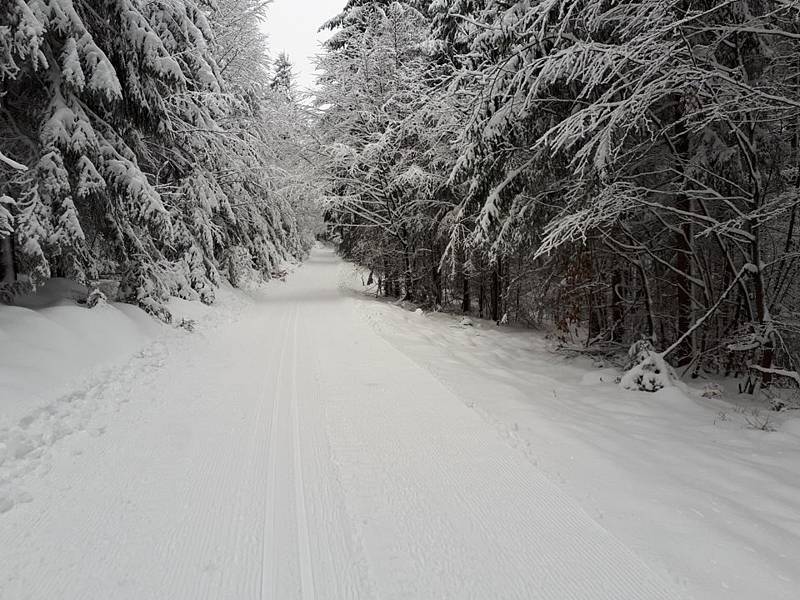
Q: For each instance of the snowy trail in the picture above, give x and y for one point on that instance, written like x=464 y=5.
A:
x=297 y=454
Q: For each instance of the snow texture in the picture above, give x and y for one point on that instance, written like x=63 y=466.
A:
x=685 y=478
x=290 y=451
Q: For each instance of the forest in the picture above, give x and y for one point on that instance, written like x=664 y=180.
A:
x=150 y=143
x=400 y=299
x=621 y=173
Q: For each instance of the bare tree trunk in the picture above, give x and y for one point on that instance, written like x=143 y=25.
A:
x=408 y=275
x=466 y=299
x=616 y=305
x=387 y=277
x=762 y=313
x=496 y=291
x=482 y=298
x=437 y=284
x=648 y=299
x=7 y=260
x=683 y=261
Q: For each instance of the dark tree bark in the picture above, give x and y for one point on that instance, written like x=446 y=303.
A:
x=496 y=291
x=482 y=299
x=616 y=305
x=7 y=270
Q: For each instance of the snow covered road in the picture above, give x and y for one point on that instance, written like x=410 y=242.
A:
x=294 y=453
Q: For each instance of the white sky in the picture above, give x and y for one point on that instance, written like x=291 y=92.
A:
x=292 y=27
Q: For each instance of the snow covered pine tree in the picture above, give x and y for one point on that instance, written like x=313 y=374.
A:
x=126 y=128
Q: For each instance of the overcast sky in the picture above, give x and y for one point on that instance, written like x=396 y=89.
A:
x=292 y=27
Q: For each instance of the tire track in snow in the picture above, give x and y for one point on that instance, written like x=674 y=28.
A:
x=222 y=473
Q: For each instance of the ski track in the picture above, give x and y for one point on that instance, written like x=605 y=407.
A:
x=294 y=454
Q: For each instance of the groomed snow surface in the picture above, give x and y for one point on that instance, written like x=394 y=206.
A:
x=306 y=441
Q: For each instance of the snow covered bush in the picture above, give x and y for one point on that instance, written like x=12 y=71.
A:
x=647 y=370
x=712 y=390
x=96 y=298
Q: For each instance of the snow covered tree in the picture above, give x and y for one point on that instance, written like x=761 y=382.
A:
x=387 y=193
x=242 y=53
x=639 y=131
x=123 y=144
x=282 y=78
x=620 y=169
x=66 y=76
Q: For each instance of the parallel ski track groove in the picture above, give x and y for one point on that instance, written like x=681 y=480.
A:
x=297 y=455
x=304 y=540
x=269 y=554
x=260 y=448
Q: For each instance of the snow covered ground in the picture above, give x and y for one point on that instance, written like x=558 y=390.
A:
x=46 y=340
x=708 y=500
x=64 y=366
x=308 y=442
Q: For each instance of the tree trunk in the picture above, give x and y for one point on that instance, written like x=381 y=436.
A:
x=437 y=285
x=466 y=299
x=7 y=271
x=387 y=278
x=648 y=300
x=407 y=276
x=762 y=313
x=683 y=261
x=616 y=305
x=482 y=299
x=496 y=283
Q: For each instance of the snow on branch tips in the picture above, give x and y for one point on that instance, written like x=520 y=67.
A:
x=100 y=194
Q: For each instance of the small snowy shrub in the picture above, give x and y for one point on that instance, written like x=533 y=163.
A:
x=466 y=322
x=784 y=399
x=712 y=390
x=757 y=420
x=96 y=298
x=188 y=324
x=110 y=287
x=279 y=274
x=647 y=370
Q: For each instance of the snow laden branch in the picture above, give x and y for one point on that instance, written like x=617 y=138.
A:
x=12 y=163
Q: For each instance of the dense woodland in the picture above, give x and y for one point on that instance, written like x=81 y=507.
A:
x=153 y=142
x=624 y=171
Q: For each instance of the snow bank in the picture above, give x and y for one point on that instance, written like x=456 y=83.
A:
x=48 y=340
x=63 y=364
